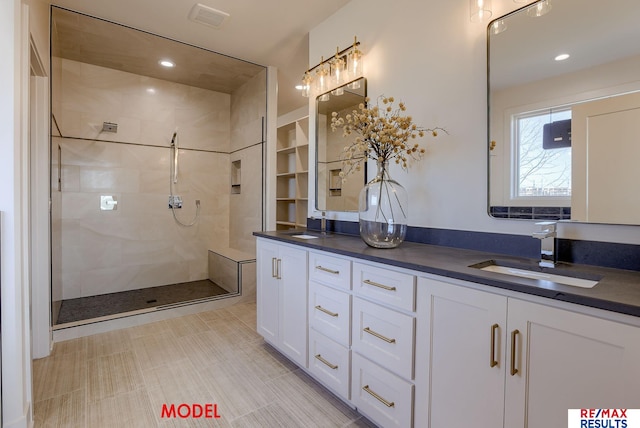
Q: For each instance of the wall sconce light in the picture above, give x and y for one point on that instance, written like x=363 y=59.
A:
x=345 y=66
x=479 y=10
x=322 y=78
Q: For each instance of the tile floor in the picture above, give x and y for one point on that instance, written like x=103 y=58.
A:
x=122 y=378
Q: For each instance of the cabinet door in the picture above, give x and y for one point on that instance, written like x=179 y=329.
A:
x=566 y=360
x=293 y=304
x=267 y=290
x=466 y=357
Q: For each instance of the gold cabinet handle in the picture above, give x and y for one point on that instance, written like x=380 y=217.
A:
x=377 y=397
x=273 y=267
x=331 y=271
x=326 y=311
x=377 y=284
x=378 y=335
x=493 y=362
x=325 y=362
x=278 y=266
x=514 y=336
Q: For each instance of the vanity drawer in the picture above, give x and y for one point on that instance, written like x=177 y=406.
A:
x=384 y=336
x=330 y=270
x=385 y=285
x=330 y=363
x=330 y=312
x=380 y=395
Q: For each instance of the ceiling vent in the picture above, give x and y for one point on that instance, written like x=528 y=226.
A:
x=208 y=16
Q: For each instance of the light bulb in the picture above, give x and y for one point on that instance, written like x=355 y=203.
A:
x=479 y=10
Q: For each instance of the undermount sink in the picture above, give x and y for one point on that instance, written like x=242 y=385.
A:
x=304 y=236
x=543 y=274
x=301 y=234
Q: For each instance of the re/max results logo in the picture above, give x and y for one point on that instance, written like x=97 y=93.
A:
x=603 y=418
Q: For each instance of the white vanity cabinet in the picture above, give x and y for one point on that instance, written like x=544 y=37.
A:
x=497 y=361
x=410 y=349
x=282 y=298
x=383 y=334
x=567 y=360
x=330 y=321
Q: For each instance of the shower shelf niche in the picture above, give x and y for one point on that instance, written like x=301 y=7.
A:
x=236 y=177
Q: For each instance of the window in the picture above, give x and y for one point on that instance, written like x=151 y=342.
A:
x=539 y=171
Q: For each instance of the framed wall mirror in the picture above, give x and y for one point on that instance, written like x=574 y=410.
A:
x=564 y=112
x=332 y=193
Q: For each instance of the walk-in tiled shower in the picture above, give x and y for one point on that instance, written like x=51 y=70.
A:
x=112 y=228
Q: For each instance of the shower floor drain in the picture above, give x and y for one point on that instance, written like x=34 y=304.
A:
x=152 y=301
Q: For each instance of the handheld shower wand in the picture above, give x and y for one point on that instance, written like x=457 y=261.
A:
x=173 y=179
x=174 y=146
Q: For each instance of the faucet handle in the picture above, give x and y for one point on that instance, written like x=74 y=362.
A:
x=547 y=226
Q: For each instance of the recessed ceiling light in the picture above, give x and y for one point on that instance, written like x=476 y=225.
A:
x=561 y=57
x=167 y=63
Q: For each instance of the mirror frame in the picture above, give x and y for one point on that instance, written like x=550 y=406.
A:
x=580 y=94
x=317 y=148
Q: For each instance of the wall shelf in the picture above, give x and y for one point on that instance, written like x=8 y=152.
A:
x=292 y=173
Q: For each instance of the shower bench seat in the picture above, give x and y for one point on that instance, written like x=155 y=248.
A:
x=233 y=270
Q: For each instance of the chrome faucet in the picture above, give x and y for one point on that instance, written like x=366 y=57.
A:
x=547 y=236
x=323 y=223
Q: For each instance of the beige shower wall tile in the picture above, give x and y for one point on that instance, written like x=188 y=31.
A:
x=94 y=76
x=245 y=207
x=146 y=110
x=203 y=129
x=91 y=153
x=84 y=248
x=134 y=277
x=247 y=111
x=105 y=180
x=140 y=105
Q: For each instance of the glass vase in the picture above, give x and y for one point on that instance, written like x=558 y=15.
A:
x=382 y=209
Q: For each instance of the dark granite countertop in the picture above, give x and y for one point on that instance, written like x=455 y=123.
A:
x=617 y=290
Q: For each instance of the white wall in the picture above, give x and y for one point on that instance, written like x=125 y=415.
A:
x=14 y=202
x=429 y=55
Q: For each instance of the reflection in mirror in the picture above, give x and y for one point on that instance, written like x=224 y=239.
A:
x=564 y=113
x=332 y=193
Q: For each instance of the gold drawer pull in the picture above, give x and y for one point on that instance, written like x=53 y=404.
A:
x=514 y=336
x=325 y=362
x=324 y=269
x=377 y=397
x=326 y=311
x=492 y=361
x=378 y=335
x=377 y=284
